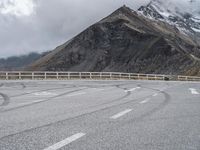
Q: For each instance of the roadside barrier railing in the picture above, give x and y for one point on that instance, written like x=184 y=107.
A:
x=23 y=75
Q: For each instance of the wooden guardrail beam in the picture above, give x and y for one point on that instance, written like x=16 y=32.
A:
x=14 y=75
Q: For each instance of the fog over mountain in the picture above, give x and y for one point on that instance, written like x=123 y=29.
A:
x=40 y=25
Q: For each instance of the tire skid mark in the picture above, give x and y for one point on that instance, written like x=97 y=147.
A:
x=48 y=99
x=1 y=84
x=159 y=107
x=78 y=116
x=60 y=121
x=162 y=105
x=6 y=99
x=69 y=92
x=144 y=116
x=23 y=85
x=147 y=114
x=117 y=99
x=41 y=91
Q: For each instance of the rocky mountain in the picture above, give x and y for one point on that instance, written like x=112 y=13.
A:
x=141 y=41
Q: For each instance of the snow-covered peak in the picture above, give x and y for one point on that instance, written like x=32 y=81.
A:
x=178 y=7
x=184 y=14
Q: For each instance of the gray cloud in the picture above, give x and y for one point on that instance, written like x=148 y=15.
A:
x=54 y=22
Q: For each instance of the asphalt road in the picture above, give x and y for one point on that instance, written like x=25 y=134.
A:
x=99 y=115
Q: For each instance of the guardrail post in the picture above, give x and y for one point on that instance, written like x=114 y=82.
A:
x=110 y=75
x=20 y=77
x=6 y=75
x=129 y=76
x=138 y=76
x=32 y=75
x=45 y=75
x=68 y=75
x=178 y=78
x=80 y=75
x=100 y=75
x=90 y=75
x=57 y=76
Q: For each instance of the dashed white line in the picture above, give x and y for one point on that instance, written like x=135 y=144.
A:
x=121 y=114
x=155 y=94
x=29 y=103
x=97 y=90
x=75 y=94
x=163 y=89
x=37 y=101
x=65 y=141
x=145 y=101
x=193 y=91
x=43 y=93
x=133 y=89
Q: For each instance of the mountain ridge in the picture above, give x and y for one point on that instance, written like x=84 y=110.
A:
x=125 y=41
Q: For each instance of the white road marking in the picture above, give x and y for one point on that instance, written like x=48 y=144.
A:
x=133 y=89
x=155 y=94
x=163 y=89
x=43 y=93
x=145 y=101
x=75 y=94
x=29 y=103
x=42 y=100
x=37 y=101
x=193 y=91
x=65 y=141
x=121 y=114
x=97 y=90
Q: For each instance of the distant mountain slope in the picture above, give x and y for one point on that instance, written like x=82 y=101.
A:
x=19 y=62
x=126 y=41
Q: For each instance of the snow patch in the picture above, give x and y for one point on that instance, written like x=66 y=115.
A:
x=196 y=30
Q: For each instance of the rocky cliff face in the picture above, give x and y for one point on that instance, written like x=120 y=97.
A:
x=126 y=41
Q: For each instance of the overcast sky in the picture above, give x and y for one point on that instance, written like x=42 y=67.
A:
x=41 y=25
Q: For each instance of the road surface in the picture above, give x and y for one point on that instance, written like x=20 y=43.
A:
x=99 y=115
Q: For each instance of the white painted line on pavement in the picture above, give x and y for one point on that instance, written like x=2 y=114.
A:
x=145 y=101
x=43 y=93
x=133 y=89
x=193 y=91
x=29 y=103
x=97 y=90
x=65 y=141
x=155 y=94
x=163 y=89
x=75 y=94
x=121 y=114
x=37 y=101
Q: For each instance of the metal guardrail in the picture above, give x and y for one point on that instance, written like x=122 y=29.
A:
x=15 y=75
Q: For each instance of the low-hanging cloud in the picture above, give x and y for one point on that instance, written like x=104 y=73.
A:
x=51 y=22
